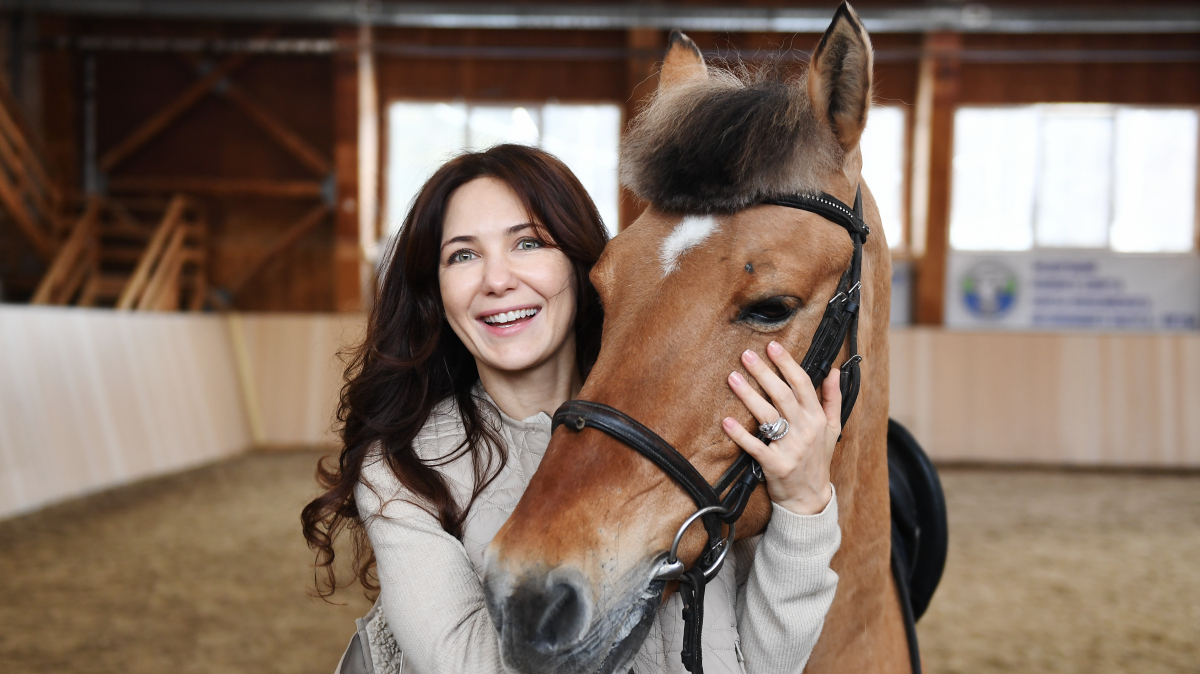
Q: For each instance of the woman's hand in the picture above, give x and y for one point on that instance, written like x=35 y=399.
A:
x=797 y=465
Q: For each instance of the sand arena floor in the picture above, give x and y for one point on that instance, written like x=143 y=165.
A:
x=206 y=572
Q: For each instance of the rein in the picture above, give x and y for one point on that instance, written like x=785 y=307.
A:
x=724 y=502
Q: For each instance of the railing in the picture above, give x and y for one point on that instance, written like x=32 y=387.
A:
x=171 y=273
x=27 y=195
x=111 y=258
x=74 y=263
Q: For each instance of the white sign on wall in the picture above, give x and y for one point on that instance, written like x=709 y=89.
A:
x=1072 y=290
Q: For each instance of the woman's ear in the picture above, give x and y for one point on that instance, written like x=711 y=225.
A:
x=683 y=63
x=839 y=77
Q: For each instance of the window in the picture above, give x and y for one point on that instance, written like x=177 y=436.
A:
x=882 y=147
x=422 y=136
x=1074 y=176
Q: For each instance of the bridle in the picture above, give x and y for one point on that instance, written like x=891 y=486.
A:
x=724 y=502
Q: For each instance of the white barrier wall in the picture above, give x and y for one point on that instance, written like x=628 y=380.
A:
x=1079 y=398
x=295 y=373
x=90 y=399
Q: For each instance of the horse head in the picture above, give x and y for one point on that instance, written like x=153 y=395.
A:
x=707 y=271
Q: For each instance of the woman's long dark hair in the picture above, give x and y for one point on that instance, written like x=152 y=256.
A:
x=411 y=360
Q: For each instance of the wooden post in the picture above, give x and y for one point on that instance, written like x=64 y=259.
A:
x=649 y=45
x=933 y=154
x=368 y=165
x=347 y=282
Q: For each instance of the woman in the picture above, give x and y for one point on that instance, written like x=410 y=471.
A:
x=485 y=323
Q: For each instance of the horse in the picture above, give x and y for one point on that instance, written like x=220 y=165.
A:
x=684 y=288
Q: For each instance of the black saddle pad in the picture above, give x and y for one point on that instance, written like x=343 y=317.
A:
x=919 y=529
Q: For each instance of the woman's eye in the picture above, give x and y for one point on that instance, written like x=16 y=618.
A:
x=461 y=256
x=771 y=311
x=528 y=244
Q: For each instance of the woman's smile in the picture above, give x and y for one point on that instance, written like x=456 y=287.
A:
x=509 y=321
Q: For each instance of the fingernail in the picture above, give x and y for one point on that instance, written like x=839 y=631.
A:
x=729 y=423
x=736 y=379
x=750 y=357
x=774 y=349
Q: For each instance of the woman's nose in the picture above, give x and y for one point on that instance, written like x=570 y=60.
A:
x=498 y=275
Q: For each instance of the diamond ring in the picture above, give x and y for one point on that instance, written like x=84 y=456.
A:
x=774 y=430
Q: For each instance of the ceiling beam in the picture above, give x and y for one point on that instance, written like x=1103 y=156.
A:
x=970 y=18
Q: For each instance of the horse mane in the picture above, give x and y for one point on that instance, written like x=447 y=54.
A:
x=727 y=142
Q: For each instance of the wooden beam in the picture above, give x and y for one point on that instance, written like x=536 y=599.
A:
x=14 y=127
x=642 y=81
x=347 y=254
x=170 y=112
x=300 y=189
x=23 y=168
x=933 y=154
x=275 y=128
x=58 y=277
x=368 y=164
x=293 y=234
x=165 y=277
x=10 y=196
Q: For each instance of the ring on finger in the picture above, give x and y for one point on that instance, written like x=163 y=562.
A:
x=774 y=430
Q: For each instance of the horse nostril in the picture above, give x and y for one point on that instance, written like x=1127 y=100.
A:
x=562 y=618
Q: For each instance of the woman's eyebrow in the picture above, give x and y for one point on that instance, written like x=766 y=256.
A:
x=465 y=238
x=468 y=238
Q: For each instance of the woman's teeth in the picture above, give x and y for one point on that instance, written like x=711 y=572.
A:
x=508 y=316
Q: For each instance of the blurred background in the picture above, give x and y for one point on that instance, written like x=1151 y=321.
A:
x=195 y=196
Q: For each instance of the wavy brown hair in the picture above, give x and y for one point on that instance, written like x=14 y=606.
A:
x=410 y=359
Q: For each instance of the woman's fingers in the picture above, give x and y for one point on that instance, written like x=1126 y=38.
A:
x=831 y=400
x=747 y=441
x=760 y=408
x=796 y=377
x=781 y=394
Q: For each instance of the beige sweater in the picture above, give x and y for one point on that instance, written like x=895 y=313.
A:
x=763 y=611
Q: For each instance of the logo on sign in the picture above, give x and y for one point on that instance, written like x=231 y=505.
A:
x=989 y=289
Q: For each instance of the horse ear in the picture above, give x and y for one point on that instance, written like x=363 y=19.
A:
x=684 y=63
x=839 y=76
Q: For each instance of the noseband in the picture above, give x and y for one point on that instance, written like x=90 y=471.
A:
x=724 y=502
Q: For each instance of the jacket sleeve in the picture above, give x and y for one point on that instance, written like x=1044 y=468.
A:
x=781 y=606
x=429 y=591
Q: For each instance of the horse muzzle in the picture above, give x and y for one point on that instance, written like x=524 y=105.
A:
x=553 y=621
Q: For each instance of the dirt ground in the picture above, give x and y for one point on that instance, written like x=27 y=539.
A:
x=206 y=572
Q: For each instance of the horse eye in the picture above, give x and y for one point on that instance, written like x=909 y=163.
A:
x=771 y=311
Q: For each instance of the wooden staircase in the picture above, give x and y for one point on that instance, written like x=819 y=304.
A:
x=28 y=198
x=113 y=258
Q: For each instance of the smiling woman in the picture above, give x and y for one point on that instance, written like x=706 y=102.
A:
x=487 y=321
x=509 y=295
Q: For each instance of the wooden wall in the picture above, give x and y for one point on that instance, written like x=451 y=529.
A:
x=212 y=139
x=316 y=96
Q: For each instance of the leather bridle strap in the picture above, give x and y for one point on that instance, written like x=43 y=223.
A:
x=840 y=323
x=580 y=414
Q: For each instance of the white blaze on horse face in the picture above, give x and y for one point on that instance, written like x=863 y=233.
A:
x=689 y=233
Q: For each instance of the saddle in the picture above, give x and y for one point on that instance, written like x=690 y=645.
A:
x=919 y=529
